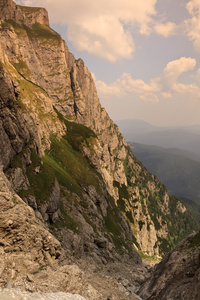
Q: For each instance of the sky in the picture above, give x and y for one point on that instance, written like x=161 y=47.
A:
x=144 y=55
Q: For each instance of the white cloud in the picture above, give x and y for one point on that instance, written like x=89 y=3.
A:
x=165 y=86
x=174 y=69
x=191 y=89
x=126 y=85
x=100 y=27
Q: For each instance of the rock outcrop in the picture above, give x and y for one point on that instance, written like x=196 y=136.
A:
x=177 y=275
x=22 y=14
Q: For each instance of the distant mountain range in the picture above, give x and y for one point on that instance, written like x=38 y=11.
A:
x=184 y=138
x=174 y=167
x=171 y=153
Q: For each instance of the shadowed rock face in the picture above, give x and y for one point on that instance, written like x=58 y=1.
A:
x=177 y=276
x=13 y=135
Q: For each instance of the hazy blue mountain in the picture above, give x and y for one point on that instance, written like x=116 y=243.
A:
x=174 y=167
x=193 y=207
x=186 y=137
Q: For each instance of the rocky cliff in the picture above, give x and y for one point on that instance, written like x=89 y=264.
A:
x=177 y=276
x=42 y=81
x=66 y=158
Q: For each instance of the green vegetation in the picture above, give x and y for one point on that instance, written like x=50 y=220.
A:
x=66 y=220
x=22 y=68
x=154 y=210
x=28 y=9
x=19 y=30
x=194 y=241
x=185 y=223
x=63 y=161
x=164 y=246
x=77 y=134
x=145 y=256
x=17 y=161
x=193 y=207
x=179 y=224
x=41 y=178
x=112 y=226
x=123 y=194
x=72 y=169
x=43 y=33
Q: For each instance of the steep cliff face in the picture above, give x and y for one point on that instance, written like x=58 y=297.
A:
x=94 y=194
x=23 y=15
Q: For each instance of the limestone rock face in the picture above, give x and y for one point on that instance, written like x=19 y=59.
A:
x=44 y=90
x=21 y=14
x=21 y=233
x=13 y=134
x=177 y=275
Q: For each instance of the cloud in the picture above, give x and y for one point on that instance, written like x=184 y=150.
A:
x=193 y=24
x=127 y=85
x=166 y=29
x=165 y=86
x=148 y=97
x=174 y=69
x=101 y=27
x=106 y=29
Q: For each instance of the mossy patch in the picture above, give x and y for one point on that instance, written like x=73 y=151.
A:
x=41 y=181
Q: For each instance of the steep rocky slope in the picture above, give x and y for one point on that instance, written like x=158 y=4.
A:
x=177 y=276
x=66 y=158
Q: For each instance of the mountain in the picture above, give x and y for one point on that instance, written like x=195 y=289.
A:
x=76 y=203
x=193 y=207
x=185 y=138
x=179 y=170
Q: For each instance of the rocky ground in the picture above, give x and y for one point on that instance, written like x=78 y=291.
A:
x=114 y=281
x=177 y=276
x=10 y=294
